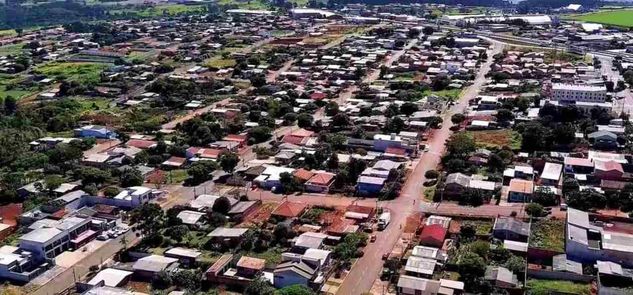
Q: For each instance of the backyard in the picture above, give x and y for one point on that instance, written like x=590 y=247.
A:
x=545 y=287
x=548 y=234
x=496 y=138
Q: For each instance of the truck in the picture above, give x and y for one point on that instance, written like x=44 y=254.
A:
x=383 y=220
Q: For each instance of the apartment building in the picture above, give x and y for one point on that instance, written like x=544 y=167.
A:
x=578 y=93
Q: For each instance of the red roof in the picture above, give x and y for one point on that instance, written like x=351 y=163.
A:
x=10 y=213
x=318 y=96
x=434 y=232
x=303 y=174
x=140 y=143
x=322 y=178
x=235 y=137
x=290 y=209
x=396 y=151
x=302 y=133
x=360 y=209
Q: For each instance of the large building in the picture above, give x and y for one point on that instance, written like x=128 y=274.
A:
x=569 y=93
x=50 y=238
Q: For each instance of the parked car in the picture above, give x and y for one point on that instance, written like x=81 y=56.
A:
x=372 y=238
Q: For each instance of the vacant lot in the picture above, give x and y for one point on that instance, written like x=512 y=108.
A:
x=621 y=18
x=11 y=49
x=548 y=234
x=84 y=73
x=220 y=63
x=10 y=85
x=545 y=287
x=496 y=138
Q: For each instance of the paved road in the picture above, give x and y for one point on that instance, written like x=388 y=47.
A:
x=367 y=268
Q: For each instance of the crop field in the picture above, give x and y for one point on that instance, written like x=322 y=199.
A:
x=621 y=18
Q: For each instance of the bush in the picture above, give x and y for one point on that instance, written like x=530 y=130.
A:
x=431 y=174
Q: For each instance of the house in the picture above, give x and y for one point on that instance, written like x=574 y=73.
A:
x=433 y=235
x=250 y=267
x=111 y=277
x=410 y=285
x=184 y=255
x=299 y=137
x=271 y=176
x=608 y=170
x=141 y=143
x=603 y=139
x=368 y=185
x=384 y=141
x=501 y=277
x=520 y=190
x=562 y=264
x=420 y=267
x=613 y=279
x=508 y=228
x=320 y=182
x=456 y=183
x=519 y=171
x=289 y=209
x=174 y=163
x=589 y=240
x=191 y=218
x=149 y=266
x=578 y=165
x=551 y=175
x=295 y=273
x=18 y=265
x=227 y=236
x=132 y=197
x=243 y=208
x=95 y=131
x=206 y=202
x=308 y=240
x=429 y=252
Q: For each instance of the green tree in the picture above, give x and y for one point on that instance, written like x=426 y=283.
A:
x=458 y=118
x=305 y=120
x=222 y=205
x=259 y=286
x=228 y=161
x=331 y=108
x=544 y=196
x=534 y=209
x=187 y=279
x=131 y=177
x=201 y=171
x=148 y=218
x=471 y=266
x=467 y=232
x=460 y=145
x=295 y=290
x=260 y=134
x=51 y=182
x=516 y=264
x=177 y=232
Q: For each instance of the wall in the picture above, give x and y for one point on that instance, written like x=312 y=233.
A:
x=558 y=275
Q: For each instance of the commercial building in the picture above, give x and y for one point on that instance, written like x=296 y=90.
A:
x=569 y=93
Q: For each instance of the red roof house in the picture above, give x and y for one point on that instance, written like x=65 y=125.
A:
x=289 y=209
x=241 y=139
x=320 y=182
x=140 y=143
x=433 y=235
x=298 y=137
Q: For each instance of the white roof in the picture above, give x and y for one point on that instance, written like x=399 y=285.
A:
x=41 y=235
x=183 y=252
x=110 y=276
x=552 y=171
x=153 y=263
x=190 y=217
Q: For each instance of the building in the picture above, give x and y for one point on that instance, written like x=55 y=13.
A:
x=310 y=13
x=148 y=266
x=508 y=228
x=227 y=236
x=589 y=240
x=320 y=182
x=50 y=240
x=551 y=175
x=369 y=186
x=111 y=277
x=568 y=93
x=184 y=255
x=18 y=265
x=289 y=209
x=95 y=131
x=433 y=235
x=502 y=277
x=191 y=218
x=271 y=176
x=520 y=190
x=603 y=139
x=296 y=273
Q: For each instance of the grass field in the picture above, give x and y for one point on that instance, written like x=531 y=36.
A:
x=548 y=235
x=9 y=86
x=84 y=73
x=545 y=287
x=162 y=10
x=220 y=63
x=252 y=4
x=621 y=18
x=13 y=49
x=496 y=138
x=8 y=33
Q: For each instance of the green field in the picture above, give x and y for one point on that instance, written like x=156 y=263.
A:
x=220 y=63
x=621 y=18
x=13 y=49
x=84 y=73
x=251 y=4
x=162 y=10
x=545 y=287
x=9 y=86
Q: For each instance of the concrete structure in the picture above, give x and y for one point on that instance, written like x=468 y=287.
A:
x=568 y=93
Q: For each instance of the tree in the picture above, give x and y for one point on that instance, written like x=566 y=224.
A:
x=471 y=197
x=340 y=120
x=51 y=182
x=187 y=279
x=259 y=286
x=516 y=264
x=304 y=120
x=282 y=232
x=92 y=175
x=467 y=232
x=544 y=196
x=332 y=162
x=460 y=145
x=431 y=174
x=131 y=177
x=258 y=81
x=148 y=218
x=534 y=209
x=458 y=118
x=177 y=232
x=496 y=163
x=222 y=205
x=586 y=199
x=201 y=171
x=260 y=134
x=228 y=162
x=408 y=108
x=471 y=266
x=162 y=280
x=479 y=247
x=295 y=290
x=331 y=108
x=504 y=116
x=10 y=105
x=428 y=30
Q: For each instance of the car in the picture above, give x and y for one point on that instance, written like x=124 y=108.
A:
x=385 y=256
x=112 y=234
x=372 y=238
x=102 y=237
x=563 y=207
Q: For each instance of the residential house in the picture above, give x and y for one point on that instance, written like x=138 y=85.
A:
x=520 y=190
x=243 y=208
x=227 y=236
x=369 y=186
x=191 y=218
x=603 y=139
x=433 y=235
x=608 y=170
x=320 y=182
x=250 y=267
x=271 y=176
x=111 y=277
x=149 y=266
x=551 y=175
x=410 y=285
x=296 y=273
x=289 y=209
x=184 y=255
x=308 y=240
x=502 y=277
x=48 y=241
x=456 y=184
x=508 y=228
